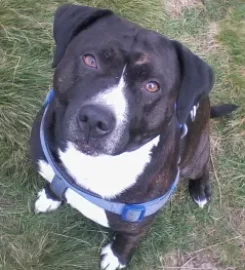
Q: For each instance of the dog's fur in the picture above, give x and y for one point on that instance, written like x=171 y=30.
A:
x=135 y=156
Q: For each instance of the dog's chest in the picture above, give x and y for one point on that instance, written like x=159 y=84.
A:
x=107 y=176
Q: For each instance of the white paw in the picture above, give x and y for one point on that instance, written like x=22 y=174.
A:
x=44 y=204
x=109 y=260
x=202 y=202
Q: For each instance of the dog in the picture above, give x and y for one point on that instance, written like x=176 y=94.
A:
x=129 y=115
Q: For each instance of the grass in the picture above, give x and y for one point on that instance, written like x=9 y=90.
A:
x=183 y=235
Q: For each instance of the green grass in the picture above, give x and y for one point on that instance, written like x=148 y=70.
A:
x=182 y=234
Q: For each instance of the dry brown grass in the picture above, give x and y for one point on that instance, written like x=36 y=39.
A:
x=204 y=260
x=237 y=223
x=204 y=44
x=175 y=8
x=242 y=71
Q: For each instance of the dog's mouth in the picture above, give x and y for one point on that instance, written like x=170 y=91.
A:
x=93 y=149
x=101 y=146
x=88 y=149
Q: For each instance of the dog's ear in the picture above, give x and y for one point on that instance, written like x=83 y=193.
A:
x=197 y=79
x=70 y=20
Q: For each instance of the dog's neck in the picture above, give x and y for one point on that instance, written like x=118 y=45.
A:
x=146 y=171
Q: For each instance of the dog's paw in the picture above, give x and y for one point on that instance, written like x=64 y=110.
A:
x=44 y=204
x=109 y=261
x=200 y=192
x=201 y=202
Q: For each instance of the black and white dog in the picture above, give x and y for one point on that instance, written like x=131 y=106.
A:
x=130 y=112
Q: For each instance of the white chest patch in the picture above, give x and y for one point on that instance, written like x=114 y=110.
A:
x=87 y=208
x=105 y=175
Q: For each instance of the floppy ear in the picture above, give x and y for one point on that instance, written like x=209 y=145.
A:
x=197 y=79
x=69 y=21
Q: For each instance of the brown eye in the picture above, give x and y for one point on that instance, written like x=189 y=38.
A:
x=152 y=86
x=89 y=60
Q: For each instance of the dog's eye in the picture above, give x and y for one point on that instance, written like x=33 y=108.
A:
x=89 y=60
x=152 y=86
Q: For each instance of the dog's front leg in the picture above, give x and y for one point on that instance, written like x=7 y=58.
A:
x=200 y=188
x=117 y=254
x=46 y=201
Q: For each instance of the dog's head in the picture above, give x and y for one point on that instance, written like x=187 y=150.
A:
x=117 y=84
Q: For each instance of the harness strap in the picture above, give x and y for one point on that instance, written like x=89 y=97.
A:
x=128 y=212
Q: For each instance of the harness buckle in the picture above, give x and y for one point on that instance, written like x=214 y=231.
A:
x=58 y=187
x=133 y=213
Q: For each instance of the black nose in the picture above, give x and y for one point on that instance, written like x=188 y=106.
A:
x=95 y=120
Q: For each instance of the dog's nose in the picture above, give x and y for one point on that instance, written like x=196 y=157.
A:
x=95 y=120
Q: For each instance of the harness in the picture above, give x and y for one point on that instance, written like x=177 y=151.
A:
x=62 y=181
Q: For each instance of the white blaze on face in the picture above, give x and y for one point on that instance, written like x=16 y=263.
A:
x=115 y=100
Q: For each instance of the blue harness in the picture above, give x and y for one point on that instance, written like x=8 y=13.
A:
x=62 y=181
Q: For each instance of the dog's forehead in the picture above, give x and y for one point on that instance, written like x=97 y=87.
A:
x=116 y=33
